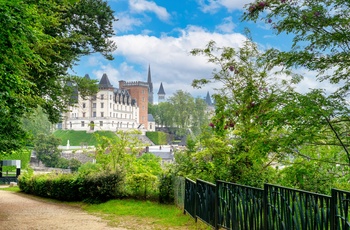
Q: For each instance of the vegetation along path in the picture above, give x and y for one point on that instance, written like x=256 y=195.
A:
x=21 y=211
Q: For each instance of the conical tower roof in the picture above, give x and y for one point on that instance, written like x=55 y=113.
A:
x=104 y=82
x=161 y=89
x=208 y=100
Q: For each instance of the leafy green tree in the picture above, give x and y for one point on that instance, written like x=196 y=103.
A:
x=246 y=116
x=267 y=123
x=37 y=123
x=118 y=152
x=46 y=150
x=320 y=35
x=39 y=41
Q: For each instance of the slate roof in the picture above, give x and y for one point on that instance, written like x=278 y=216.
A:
x=161 y=89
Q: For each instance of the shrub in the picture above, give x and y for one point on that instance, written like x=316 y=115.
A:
x=142 y=185
x=75 y=187
x=166 y=188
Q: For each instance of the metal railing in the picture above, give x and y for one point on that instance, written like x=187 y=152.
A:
x=232 y=206
x=239 y=207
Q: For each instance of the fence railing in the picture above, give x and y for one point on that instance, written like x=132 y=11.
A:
x=232 y=206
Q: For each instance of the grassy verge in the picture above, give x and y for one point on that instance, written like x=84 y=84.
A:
x=76 y=138
x=132 y=214
x=12 y=189
x=135 y=214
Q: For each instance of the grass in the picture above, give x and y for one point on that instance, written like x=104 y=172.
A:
x=77 y=137
x=11 y=189
x=132 y=214
x=135 y=214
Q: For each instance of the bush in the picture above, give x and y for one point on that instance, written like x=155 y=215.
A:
x=142 y=185
x=101 y=187
x=98 y=187
x=166 y=188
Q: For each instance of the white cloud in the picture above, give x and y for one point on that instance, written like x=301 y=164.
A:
x=141 y=6
x=227 y=25
x=212 y=6
x=170 y=59
x=126 y=23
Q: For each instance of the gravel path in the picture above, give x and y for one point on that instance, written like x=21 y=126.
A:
x=23 y=212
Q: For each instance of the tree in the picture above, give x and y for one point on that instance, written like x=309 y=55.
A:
x=46 y=150
x=320 y=30
x=118 y=152
x=39 y=41
x=265 y=123
x=37 y=123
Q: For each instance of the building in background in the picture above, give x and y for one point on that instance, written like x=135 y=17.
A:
x=110 y=109
x=161 y=93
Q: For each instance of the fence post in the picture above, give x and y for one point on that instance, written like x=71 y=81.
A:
x=216 y=206
x=195 y=201
x=333 y=209
x=265 y=206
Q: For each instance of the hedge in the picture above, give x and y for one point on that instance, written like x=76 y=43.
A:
x=97 y=187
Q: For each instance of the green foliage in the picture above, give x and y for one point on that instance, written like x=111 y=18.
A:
x=46 y=150
x=143 y=176
x=36 y=123
x=97 y=187
x=112 y=153
x=22 y=154
x=166 y=188
x=39 y=41
x=181 y=111
x=320 y=35
x=158 y=138
x=77 y=138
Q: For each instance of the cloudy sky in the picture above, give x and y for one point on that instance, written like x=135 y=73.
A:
x=160 y=34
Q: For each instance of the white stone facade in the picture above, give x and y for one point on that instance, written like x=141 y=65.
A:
x=110 y=109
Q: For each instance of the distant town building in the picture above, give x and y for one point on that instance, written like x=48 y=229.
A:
x=112 y=108
x=210 y=110
x=161 y=93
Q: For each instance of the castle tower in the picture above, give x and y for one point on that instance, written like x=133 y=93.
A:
x=150 y=86
x=138 y=90
x=161 y=93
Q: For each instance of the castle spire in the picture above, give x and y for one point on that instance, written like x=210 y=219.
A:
x=161 y=93
x=150 y=86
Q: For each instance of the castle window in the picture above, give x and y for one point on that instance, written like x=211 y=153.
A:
x=82 y=124
x=102 y=105
x=101 y=114
x=94 y=105
x=84 y=114
x=110 y=97
x=84 y=105
x=101 y=123
x=110 y=105
x=94 y=97
x=94 y=114
x=102 y=96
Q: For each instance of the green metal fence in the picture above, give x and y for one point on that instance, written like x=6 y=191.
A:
x=295 y=209
x=232 y=206
x=239 y=207
x=340 y=210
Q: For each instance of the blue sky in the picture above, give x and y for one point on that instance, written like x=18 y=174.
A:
x=160 y=34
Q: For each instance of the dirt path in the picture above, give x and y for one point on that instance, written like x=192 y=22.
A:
x=23 y=212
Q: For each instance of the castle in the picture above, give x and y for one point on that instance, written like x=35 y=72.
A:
x=113 y=109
